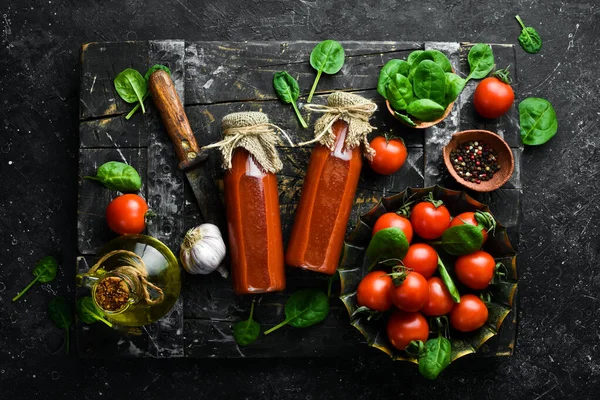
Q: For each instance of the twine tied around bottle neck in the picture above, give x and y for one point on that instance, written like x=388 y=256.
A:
x=355 y=110
x=135 y=268
x=253 y=132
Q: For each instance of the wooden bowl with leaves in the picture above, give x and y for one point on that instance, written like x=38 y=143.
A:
x=502 y=294
x=418 y=124
x=504 y=159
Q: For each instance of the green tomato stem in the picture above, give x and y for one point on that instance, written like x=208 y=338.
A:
x=302 y=121
x=520 y=21
x=314 y=86
x=18 y=296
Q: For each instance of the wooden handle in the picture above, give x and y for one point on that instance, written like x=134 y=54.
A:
x=173 y=116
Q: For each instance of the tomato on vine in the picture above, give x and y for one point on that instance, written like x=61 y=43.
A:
x=393 y=220
x=475 y=270
x=374 y=291
x=421 y=258
x=440 y=300
x=404 y=327
x=411 y=294
x=126 y=214
x=478 y=218
x=494 y=96
x=390 y=155
x=430 y=218
x=468 y=315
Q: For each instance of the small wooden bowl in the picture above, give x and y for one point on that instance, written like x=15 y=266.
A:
x=505 y=158
x=420 y=124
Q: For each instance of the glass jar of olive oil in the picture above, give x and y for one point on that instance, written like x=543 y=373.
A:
x=136 y=280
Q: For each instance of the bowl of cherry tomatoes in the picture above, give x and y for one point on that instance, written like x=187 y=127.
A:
x=428 y=276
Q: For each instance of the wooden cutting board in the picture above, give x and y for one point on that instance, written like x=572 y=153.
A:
x=217 y=78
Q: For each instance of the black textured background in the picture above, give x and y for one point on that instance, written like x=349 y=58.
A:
x=557 y=351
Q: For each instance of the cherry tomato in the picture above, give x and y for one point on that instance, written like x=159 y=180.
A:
x=390 y=155
x=468 y=218
x=412 y=294
x=468 y=315
x=421 y=258
x=429 y=221
x=475 y=270
x=374 y=291
x=404 y=327
x=493 y=98
x=440 y=301
x=126 y=214
x=393 y=220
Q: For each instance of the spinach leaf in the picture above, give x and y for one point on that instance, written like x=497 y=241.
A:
x=327 y=56
x=529 y=39
x=304 y=308
x=288 y=91
x=481 y=61
x=429 y=81
x=385 y=244
x=448 y=281
x=44 y=272
x=425 y=109
x=61 y=313
x=246 y=332
x=399 y=92
x=431 y=55
x=131 y=86
x=88 y=311
x=406 y=119
x=435 y=358
x=454 y=85
x=413 y=56
x=151 y=70
x=388 y=72
x=538 y=121
x=118 y=176
x=462 y=239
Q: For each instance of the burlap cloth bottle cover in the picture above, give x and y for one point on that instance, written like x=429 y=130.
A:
x=253 y=132
x=355 y=110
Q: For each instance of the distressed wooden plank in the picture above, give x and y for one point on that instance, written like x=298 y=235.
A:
x=241 y=71
x=94 y=197
x=100 y=64
x=116 y=132
x=166 y=198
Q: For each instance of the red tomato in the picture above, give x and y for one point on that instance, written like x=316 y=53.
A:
x=475 y=270
x=404 y=327
x=468 y=218
x=421 y=258
x=493 y=98
x=428 y=221
x=126 y=214
x=393 y=220
x=374 y=291
x=468 y=315
x=440 y=301
x=412 y=294
x=390 y=155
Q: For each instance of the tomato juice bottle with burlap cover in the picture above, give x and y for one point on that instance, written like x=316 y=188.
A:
x=330 y=183
x=252 y=203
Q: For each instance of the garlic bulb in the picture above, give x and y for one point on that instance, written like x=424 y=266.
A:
x=203 y=250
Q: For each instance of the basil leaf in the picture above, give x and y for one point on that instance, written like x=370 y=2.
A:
x=431 y=55
x=538 y=121
x=529 y=39
x=388 y=72
x=288 y=91
x=435 y=358
x=44 y=272
x=481 y=61
x=118 y=176
x=61 y=313
x=246 y=332
x=454 y=85
x=327 y=56
x=399 y=92
x=406 y=119
x=385 y=244
x=304 y=308
x=447 y=279
x=155 y=68
x=429 y=82
x=425 y=109
x=88 y=311
x=462 y=239
x=131 y=86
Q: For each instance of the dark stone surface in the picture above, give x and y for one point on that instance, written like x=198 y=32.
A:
x=557 y=352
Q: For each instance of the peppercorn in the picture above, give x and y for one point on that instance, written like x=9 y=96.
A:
x=475 y=161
